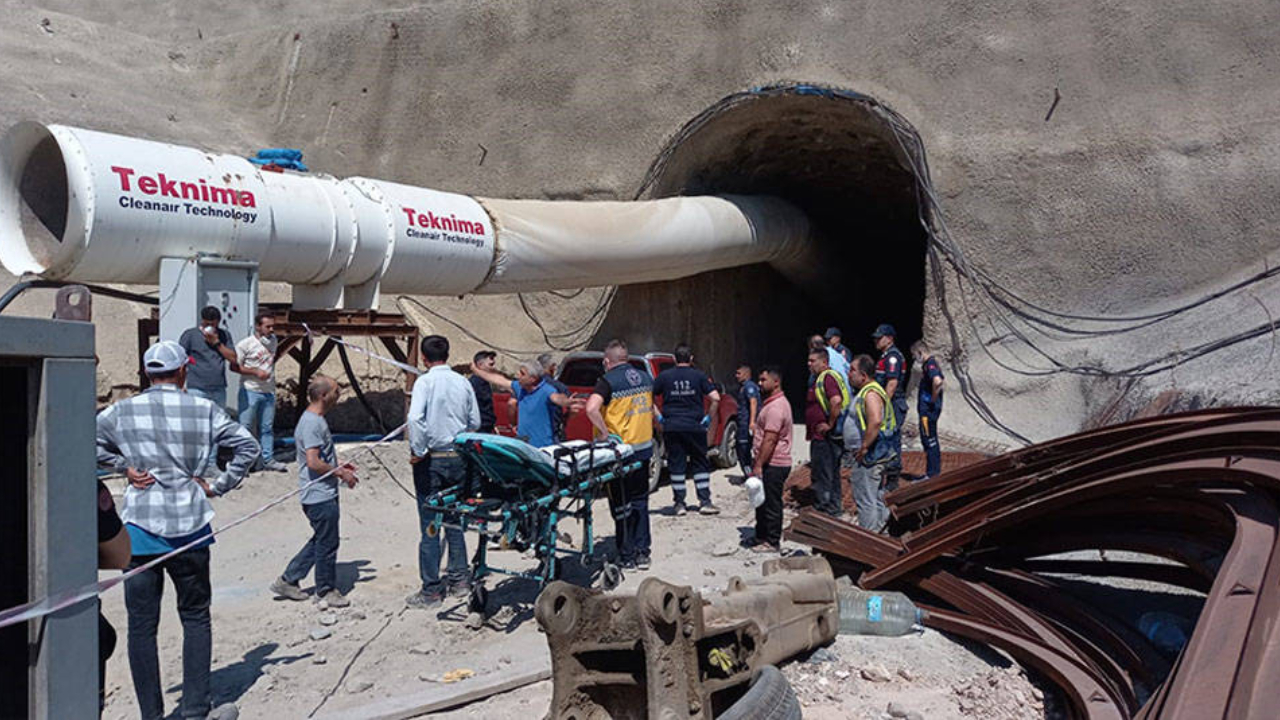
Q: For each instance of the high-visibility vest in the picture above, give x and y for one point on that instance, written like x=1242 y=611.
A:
x=819 y=389
x=888 y=423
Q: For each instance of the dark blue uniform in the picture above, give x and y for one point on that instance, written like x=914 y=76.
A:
x=748 y=391
x=929 y=407
x=683 y=390
x=892 y=366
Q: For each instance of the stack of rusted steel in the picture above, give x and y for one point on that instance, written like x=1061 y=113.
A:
x=1196 y=494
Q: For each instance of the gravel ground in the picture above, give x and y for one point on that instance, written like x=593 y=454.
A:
x=267 y=660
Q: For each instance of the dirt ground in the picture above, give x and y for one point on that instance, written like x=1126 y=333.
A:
x=267 y=662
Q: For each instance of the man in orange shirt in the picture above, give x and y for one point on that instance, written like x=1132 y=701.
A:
x=772 y=445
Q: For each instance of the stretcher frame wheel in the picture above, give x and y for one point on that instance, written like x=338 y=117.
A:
x=478 y=602
x=610 y=576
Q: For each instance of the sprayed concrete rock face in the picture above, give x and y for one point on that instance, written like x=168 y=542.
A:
x=1151 y=182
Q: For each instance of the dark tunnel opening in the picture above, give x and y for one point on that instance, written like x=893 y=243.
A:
x=833 y=155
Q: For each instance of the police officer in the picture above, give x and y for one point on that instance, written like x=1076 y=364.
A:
x=929 y=405
x=686 y=427
x=749 y=399
x=891 y=374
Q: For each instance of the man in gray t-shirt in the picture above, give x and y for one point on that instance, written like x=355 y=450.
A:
x=318 y=476
x=210 y=349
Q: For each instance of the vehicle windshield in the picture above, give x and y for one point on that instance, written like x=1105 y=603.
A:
x=586 y=372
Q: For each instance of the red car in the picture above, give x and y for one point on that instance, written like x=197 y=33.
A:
x=580 y=371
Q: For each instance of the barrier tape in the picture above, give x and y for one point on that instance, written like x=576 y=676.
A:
x=68 y=598
x=390 y=361
x=60 y=601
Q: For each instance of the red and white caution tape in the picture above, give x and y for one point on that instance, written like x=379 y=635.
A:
x=61 y=601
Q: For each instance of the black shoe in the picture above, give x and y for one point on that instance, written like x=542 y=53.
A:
x=627 y=564
x=643 y=563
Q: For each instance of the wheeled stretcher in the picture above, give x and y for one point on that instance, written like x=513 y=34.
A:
x=522 y=495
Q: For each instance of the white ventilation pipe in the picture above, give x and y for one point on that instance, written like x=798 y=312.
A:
x=88 y=206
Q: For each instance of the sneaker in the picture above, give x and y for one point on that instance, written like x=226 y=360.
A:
x=424 y=601
x=335 y=599
x=287 y=590
x=275 y=466
x=627 y=564
x=680 y=509
x=225 y=711
x=764 y=547
x=459 y=589
x=708 y=509
x=642 y=562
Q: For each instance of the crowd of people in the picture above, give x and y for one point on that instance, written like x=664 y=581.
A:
x=165 y=442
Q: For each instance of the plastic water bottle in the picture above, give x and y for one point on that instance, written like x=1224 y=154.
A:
x=1168 y=632
x=867 y=612
x=755 y=491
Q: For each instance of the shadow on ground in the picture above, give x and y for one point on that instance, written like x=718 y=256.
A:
x=230 y=682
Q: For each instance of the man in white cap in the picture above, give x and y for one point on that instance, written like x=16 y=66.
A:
x=164 y=440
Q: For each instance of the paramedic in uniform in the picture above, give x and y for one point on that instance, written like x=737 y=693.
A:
x=891 y=375
x=686 y=428
x=622 y=405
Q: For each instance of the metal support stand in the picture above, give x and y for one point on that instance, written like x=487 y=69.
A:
x=398 y=336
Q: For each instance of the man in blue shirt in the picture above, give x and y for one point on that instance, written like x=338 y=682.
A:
x=929 y=405
x=832 y=336
x=686 y=427
x=442 y=406
x=537 y=399
x=560 y=417
x=748 y=409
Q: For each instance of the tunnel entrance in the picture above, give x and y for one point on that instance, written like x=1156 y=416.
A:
x=830 y=152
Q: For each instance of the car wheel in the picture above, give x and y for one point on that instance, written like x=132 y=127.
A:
x=770 y=697
x=728 y=455
x=658 y=465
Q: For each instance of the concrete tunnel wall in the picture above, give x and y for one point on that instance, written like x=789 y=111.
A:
x=1153 y=180
x=837 y=160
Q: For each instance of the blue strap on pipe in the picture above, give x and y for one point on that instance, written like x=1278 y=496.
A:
x=288 y=158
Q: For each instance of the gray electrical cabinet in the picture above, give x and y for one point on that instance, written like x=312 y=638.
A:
x=48 y=519
x=187 y=285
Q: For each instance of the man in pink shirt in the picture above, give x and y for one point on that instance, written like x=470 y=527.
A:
x=772 y=444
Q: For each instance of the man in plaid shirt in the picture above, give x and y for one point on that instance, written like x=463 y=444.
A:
x=164 y=441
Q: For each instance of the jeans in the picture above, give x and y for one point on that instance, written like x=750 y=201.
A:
x=629 y=503
x=868 y=496
x=929 y=439
x=190 y=575
x=218 y=396
x=824 y=468
x=321 y=551
x=687 y=455
x=743 y=447
x=431 y=475
x=769 y=514
x=263 y=407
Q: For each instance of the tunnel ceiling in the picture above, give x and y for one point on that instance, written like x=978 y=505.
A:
x=831 y=153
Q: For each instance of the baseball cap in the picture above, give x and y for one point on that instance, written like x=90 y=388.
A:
x=884 y=329
x=164 y=357
x=832 y=332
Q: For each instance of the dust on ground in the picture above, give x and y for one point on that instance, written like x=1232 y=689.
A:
x=268 y=660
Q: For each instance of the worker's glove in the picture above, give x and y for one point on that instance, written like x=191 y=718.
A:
x=706 y=421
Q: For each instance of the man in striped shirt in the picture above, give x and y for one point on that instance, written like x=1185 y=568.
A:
x=164 y=441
